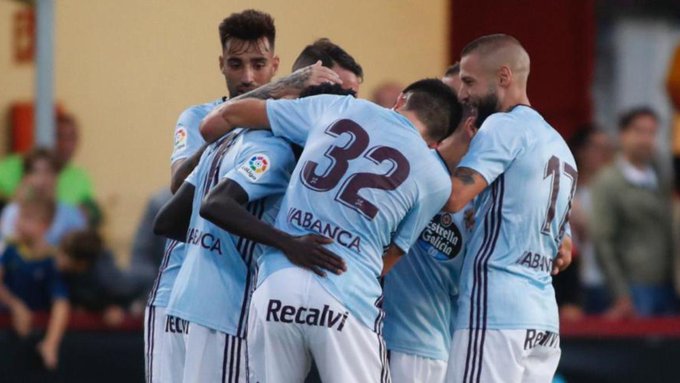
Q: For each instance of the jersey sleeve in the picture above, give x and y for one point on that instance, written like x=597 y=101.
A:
x=263 y=169
x=191 y=178
x=495 y=146
x=422 y=212
x=188 y=138
x=294 y=119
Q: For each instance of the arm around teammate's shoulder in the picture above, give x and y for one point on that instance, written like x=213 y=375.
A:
x=224 y=207
x=466 y=184
x=248 y=113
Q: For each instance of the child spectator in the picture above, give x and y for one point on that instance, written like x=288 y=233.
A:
x=29 y=278
x=40 y=177
x=91 y=275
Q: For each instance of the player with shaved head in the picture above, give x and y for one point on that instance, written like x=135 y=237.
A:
x=524 y=177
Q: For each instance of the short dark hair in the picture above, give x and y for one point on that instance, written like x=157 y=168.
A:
x=327 y=88
x=632 y=114
x=452 y=70
x=436 y=106
x=83 y=245
x=310 y=55
x=326 y=49
x=249 y=25
x=38 y=154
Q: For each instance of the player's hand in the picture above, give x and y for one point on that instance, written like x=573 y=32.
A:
x=308 y=251
x=563 y=259
x=311 y=75
x=21 y=318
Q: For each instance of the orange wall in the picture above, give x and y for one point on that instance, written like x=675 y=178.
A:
x=127 y=68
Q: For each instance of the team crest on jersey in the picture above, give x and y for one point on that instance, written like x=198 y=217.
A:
x=443 y=237
x=255 y=167
x=180 y=138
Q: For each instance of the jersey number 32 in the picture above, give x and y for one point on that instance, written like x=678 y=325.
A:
x=348 y=194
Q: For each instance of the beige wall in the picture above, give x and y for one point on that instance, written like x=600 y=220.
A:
x=127 y=68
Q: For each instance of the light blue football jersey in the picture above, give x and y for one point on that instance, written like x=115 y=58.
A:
x=188 y=137
x=422 y=288
x=188 y=140
x=215 y=281
x=520 y=221
x=365 y=178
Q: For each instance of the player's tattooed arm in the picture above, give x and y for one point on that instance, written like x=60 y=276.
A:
x=181 y=169
x=466 y=184
x=224 y=207
x=293 y=84
x=249 y=110
x=172 y=221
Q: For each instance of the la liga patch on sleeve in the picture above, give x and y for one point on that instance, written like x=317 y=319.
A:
x=180 y=138
x=255 y=167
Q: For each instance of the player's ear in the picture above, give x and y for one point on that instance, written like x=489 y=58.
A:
x=275 y=63
x=401 y=101
x=504 y=76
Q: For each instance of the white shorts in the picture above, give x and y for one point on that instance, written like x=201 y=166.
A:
x=407 y=368
x=508 y=356
x=154 y=321
x=294 y=319
x=197 y=354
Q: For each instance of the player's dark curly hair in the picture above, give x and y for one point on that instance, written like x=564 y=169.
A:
x=249 y=25
x=436 y=106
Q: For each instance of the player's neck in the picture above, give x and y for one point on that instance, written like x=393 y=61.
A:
x=514 y=97
x=415 y=121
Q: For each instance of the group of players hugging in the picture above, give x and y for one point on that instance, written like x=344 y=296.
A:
x=411 y=244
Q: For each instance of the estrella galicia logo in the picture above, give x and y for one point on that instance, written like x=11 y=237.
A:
x=443 y=237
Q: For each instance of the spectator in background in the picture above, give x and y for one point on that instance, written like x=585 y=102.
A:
x=148 y=248
x=29 y=277
x=93 y=280
x=40 y=177
x=74 y=186
x=631 y=222
x=592 y=149
x=386 y=94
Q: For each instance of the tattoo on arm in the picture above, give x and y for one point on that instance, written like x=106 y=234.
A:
x=294 y=82
x=466 y=175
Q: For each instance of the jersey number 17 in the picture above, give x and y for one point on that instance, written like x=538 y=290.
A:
x=555 y=168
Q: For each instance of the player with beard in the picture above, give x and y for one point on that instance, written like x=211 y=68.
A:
x=247 y=62
x=212 y=291
x=524 y=177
